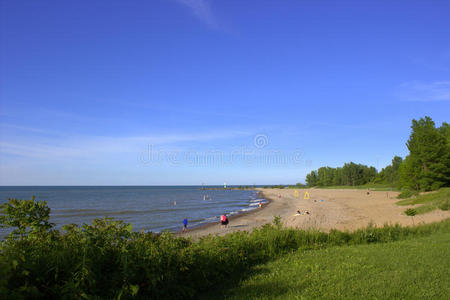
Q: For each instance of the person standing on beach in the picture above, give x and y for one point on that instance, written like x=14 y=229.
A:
x=224 y=220
x=185 y=223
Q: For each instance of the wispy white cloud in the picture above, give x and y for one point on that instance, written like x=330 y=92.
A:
x=91 y=147
x=424 y=91
x=202 y=10
x=4 y=126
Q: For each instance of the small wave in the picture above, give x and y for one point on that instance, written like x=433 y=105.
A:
x=246 y=209
x=212 y=218
x=258 y=200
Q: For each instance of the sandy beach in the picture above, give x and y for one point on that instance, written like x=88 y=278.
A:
x=328 y=209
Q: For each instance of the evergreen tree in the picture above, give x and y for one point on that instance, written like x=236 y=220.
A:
x=311 y=179
x=390 y=174
x=427 y=167
x=445 y=131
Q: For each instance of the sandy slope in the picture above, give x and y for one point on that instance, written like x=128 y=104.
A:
x=340 y=209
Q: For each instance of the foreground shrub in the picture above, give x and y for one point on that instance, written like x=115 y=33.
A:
x=26 y=216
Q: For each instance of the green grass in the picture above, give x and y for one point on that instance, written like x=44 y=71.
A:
x=371 y=186
x=428 y=202
x=411 y=269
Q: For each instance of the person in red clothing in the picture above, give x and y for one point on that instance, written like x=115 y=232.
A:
x=224 y=220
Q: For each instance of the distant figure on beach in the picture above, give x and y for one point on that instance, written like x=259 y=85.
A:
x=224 y=220
x=185 y=222
x=279 y=196
x=260 y=204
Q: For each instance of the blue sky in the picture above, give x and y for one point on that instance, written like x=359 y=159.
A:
x=202 y=91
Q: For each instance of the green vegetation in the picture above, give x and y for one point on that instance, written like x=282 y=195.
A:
x=407 y=194
x=370 y=186
x=107 y=260
x=28 y=216
x=280 y=186
x=445 y=205
x=390 y=174
x=429 y=201
x=297 y=186
x=350 y=174
x=410 y=269
x=411 y=212
x=243 y=187
x=427 y=167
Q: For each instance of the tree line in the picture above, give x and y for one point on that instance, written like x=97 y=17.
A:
x=425 y=168
x=350 y=174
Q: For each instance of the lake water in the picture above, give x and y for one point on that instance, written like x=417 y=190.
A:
x=152 y=208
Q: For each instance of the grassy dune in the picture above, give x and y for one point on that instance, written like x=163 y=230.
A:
x=429 y=201
x=411 y=269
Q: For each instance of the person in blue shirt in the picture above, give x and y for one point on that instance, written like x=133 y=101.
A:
x=185 y=222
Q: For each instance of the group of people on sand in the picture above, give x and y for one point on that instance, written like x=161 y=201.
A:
x=304 y=212
x=223 y=221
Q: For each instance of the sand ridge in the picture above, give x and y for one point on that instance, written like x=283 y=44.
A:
x=341 y=209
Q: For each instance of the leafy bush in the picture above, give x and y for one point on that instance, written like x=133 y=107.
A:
x=411 y=212
x=277 y=221
x=28 y=216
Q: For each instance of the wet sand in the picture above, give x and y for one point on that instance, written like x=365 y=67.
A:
x=328 y=209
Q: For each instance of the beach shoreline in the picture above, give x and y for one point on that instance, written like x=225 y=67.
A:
x=208 y=227
x=341 y=209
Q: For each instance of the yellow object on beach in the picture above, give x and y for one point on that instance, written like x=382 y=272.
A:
x=306 y=196
x=296 y=193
